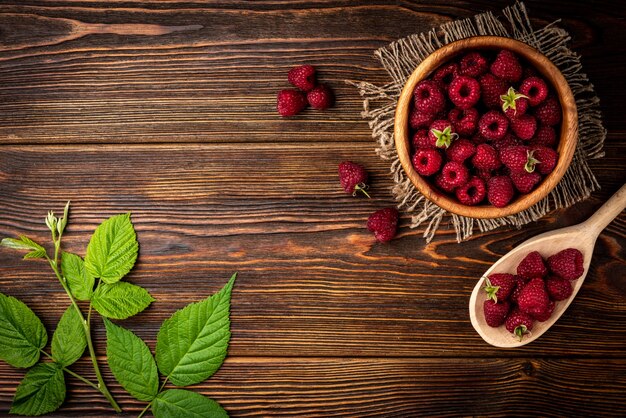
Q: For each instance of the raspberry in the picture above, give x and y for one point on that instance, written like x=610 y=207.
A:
x=419 y=119
x=443 y=184
x=544 y=136
x=428 y=97
x=445 y=74
x=442 y=132
x=473 y=65
x=518 y=158
x=525 y=182
x=455 y=174
x=493 y=125
x=499 y=286
x=549 y=112
x=535 y=89
x=507 y=66
x=464 y=92
x=465 y=121
x=302 y=77
x=427 y=161
x=546 y=159
x=514 y=104
x=545 y=315
x=473 y=192
x=532 y=266
x=460 y=150
x=519 y=285
x=290 y=102
x=533 y=299
x=500 y=191
x=567 y=264
x=558 y=288
x=422 y=140
x=486 y=158
x=485 y=175
x=321 y=97
x=492 y=88
x=384 y=224
x=518 y=323
x=508 y=141
x=524 y=126
x=495 y=313
x=353 y=178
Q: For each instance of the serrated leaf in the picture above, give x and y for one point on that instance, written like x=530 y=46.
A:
x=25 y=243
x=35 y=254
x=131 y=362
x=120 y=300
x=112 y=249
x=69 y=340
x=22 y=334
x=41 y=391
x=192 y=343
x=176 y=403
x=79 y=282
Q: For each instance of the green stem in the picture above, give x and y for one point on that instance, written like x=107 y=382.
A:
x=76 y=375
x=142 y=413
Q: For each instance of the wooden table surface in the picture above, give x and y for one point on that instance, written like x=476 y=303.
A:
x=167 y=109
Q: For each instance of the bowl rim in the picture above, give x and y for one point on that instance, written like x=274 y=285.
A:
x=568 y=137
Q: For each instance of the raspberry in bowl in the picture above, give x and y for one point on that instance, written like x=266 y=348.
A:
x=486 y=127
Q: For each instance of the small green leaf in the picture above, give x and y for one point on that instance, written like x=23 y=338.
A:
x=192 y=343
x=63 y=221
x=112 y=249
x=120 y=300
x=25 y=243
x=22 y=334
x=41 y=391
x=68 y=340
x=80 y=283
x=131 y=362
x=175 y=403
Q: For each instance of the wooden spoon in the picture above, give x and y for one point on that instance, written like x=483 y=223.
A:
x=582 y=236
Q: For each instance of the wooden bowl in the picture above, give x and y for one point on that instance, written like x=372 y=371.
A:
x=567 y=139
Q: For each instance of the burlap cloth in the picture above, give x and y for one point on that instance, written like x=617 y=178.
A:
x=401 y=57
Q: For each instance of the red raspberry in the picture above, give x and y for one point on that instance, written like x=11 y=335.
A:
x=567 y=264
x=549 y=112
x=500 y=191
x=478 y=139
x=442 y=132
x=485 y=175
x=558 y=288
x=473 y=64
x=445 y=74
x=302 y=77
x=518 y=323
x=519 y=285
x=514 y=104
x=384 y=224
x=491 y=88
x=422 y=140
x=535 y=89
x=493 y=125
x=465 y=121
x=290 y=102
x=518 y=158
x=508 y=141
x=507 y=66
x=544 y=136
x=532 y=266
x=525 y=182
x=533 y=299
x=460 y=150
x=428 y=97
x=545 y=315
x=455 y=174
x=321 y=97
x=473 y=192
x=546 y=159
x=443 y=184
x=499 y=286
x=524 y=126
x=353 y=178
x=464 y=92
x=495 y=313
x=427 y=161
x=486 y=158
x=419 y=119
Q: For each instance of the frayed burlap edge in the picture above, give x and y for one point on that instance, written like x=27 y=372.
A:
x=400 y=59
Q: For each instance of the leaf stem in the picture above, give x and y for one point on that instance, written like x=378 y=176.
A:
x=142 y=413
x=76 y=375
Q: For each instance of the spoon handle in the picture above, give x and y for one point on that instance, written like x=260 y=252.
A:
x=607 y=212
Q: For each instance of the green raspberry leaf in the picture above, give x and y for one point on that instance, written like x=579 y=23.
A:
x=112 y=249
x=192 y=343
x=80 y=283
x=22 y=334
x=175 y=403
x=25 y=243
x=131 y=362
x=69 y=340
x=42 y=391
x=120 y=300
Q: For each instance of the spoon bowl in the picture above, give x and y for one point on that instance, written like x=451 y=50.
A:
x=582 y=236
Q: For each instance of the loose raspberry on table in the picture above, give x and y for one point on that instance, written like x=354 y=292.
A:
x=532 y=266
x=427 y=161
x=442 y=132
x=495 y=313
x=464 y=92
x=422 y=140
x=525 y=182
x=499 y=286
x=460 y=150
x=384 y=224
x=507 y=66
x=518 y=158
x=567 y=264
x=419 y=119
x=473 y=64
x=558 y=288
x=302 y=77
x=473 y=192
x=290 y=102
x=465 y=121
x=500 y=191
x=353 y=178
x=493 y=125
x=491 y=88
x=524 y=126
x=519 y=323
x=321 y=97
x=514 y=104
x=546 y=159
x=429 y=97
x=486 y=158
x=549 y=112
x=533 y=299
x=544 y=136
x=445 y=74
x=455 y=174
x=535 y=89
